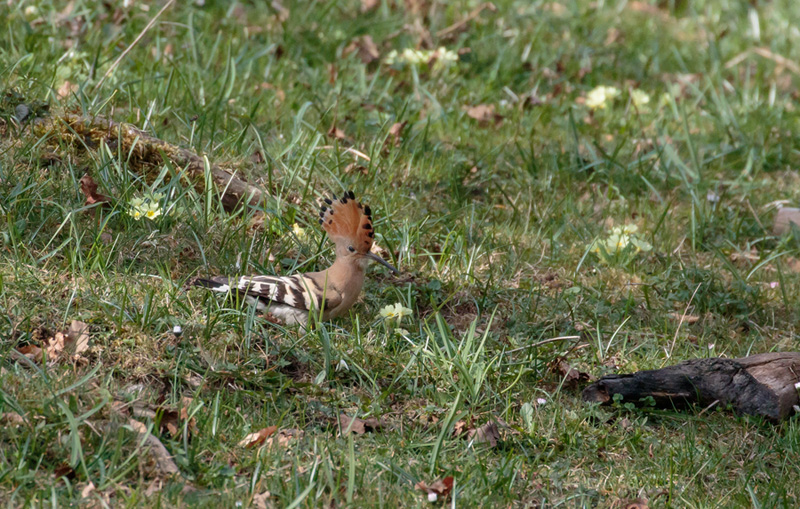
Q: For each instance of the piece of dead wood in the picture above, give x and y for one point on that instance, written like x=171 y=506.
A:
x=784 y=220
x=147 y=151
x=761 y=385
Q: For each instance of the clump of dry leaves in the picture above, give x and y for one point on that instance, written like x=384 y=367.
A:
x=67 y=345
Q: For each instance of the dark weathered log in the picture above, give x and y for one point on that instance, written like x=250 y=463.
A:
x=784 y=219
x=762 y=385
x=149 y=152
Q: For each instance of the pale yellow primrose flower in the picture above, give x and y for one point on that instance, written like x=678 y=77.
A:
x=599 y=96
x=639 y=98
x=299 y=231
x=395 y=312
x=152 y=211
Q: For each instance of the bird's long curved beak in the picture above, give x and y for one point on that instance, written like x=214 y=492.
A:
x=373 y=256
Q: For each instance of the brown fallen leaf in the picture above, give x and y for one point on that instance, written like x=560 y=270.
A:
x=356 y=168
x=257 y=438
x=87 y=490
x=32 y=352
x=690 y=319
x=485 y=115
x=89 y=190
x=284 y=436
x=67 y=88
x=172 y=420
x=365 y=48
x=69 y=344
x=440 y=488
x=486 y=434
x=64 y=470
x=459 y=428
x=11 y=419
x=395 y=135
x=335 y=132
x=571 y=376
x=639 y=503
x=260 y=500
x=359 y=426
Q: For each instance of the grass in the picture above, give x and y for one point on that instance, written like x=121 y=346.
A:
x=490 y=222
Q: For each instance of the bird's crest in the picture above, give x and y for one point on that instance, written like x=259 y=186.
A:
x=345 y=219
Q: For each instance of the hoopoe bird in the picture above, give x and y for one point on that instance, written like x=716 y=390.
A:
x=334 y=290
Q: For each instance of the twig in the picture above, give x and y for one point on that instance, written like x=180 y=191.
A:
x=138 y=38
x=460 y=25
x=765 y=53
x=543 y=342
x=683 y=317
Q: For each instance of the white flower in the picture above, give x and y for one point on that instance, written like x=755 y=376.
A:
x=639 y=98
x=797 y=386
x=177 y=330
x=342 y=366
x=395 y=312
x=432 y=497
x=540 y=401
x=599 y=96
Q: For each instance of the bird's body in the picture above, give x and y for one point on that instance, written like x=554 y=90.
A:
x=332 y=291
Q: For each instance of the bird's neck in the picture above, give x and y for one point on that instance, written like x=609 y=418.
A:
x=346 y=275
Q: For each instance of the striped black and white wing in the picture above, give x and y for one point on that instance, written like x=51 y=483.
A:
x=298 y=291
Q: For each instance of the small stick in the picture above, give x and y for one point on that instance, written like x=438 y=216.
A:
x=138 y=38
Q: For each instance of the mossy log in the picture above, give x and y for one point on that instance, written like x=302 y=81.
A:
x=147 y=151
x=761 y=385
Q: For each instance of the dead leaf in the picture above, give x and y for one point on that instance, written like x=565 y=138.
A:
x=154 y=487
x=32 y=352
x=486 y=434
x=335 y=132
x=285 y=436
x=356 y=168
x=395 y=135
x=260 y=500
x=172 y=420
x=67 y=88
x=359 y=426
x=440 y=488
x=78 y=334
x=368 y=5
x=137 y=426
x=571 y=376
x=257 y=438
x=793 y=264
x=745 y=256
x=64 y=470
x=690 y=319
x=460 y=428
x=87 y=490
x=639 y=503
x=485 y=115
x=11 y=419
x=89 y=190
x=365 y=48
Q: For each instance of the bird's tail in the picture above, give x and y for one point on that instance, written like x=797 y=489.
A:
x=215 y=284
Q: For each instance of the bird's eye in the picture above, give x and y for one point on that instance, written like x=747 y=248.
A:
x=352 y=249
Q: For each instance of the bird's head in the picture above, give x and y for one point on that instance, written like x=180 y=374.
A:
x=349 y=225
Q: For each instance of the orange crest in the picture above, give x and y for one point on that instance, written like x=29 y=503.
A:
x=346 y=220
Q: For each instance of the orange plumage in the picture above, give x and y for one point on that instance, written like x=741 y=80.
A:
x=348 y=220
